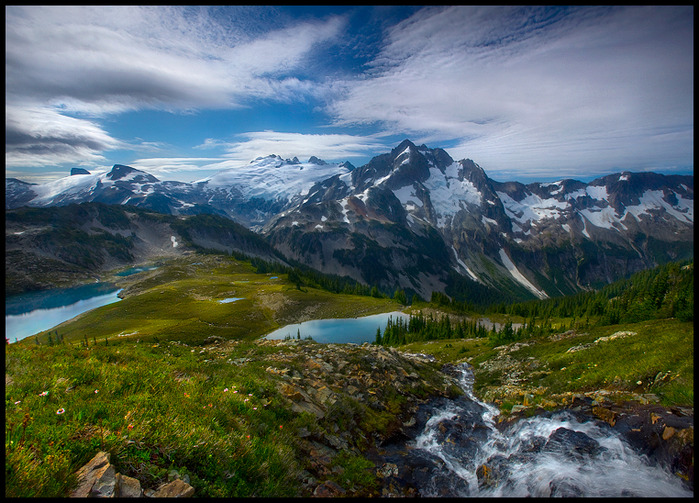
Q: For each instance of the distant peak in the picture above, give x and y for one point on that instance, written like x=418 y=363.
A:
x=120 y=171
x=402 y=146
x=315 y=160
x=79 y=171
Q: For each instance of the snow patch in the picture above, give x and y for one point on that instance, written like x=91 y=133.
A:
x=175 y=244
x=532 y=207
x=466 y=268
x=598 y=192
x=601 y=217
x=653 y=200
x=449 y=194
x=487 y=220
x=406 y=195
x=519 y=276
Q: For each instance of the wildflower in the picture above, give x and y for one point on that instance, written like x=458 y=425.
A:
x=43 y=393
x=225 y=390
x=60 y=411
x=254 y=408
x=18 y=402
x=210 y=405
x=97 y=391
x=130 y=426
x=280 y=427
x=235 y=391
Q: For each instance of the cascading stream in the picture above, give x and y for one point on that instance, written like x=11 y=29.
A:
x=541 y=456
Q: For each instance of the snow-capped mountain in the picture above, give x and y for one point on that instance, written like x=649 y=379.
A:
x=416 y=219
x=250 y=194
x=545 y=239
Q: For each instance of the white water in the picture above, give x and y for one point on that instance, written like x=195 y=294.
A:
x=534 y=458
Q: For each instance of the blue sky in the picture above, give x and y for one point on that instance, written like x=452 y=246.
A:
x=528 y=93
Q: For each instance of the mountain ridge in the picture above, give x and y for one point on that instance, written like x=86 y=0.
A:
x=413 y=218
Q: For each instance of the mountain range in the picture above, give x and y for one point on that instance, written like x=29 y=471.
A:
x=415 y=219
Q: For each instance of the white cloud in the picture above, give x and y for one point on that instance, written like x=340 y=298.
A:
x=534 y=88
x=96 y=61
x=109 y=59
x=329 y=147
x=40 y=136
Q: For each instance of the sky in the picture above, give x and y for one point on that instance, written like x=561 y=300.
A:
x=528 y=93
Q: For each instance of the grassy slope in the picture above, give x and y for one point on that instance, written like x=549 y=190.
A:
x=155 y=398
x=542 y=371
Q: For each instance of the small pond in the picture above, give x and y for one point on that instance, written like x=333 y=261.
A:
x=340 y=330
x=230 y=299
x=30 y=313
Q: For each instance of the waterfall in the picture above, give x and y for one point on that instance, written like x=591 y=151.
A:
x=542 y=456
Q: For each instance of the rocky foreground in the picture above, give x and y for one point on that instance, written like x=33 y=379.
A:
x=369 y=401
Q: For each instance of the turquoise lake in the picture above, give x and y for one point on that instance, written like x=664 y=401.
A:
x=339 y=330
x=30 y=313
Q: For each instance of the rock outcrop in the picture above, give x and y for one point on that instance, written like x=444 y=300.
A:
x=99 y=479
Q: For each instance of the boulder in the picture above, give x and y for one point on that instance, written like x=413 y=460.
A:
x=89 y=474
x=127 y=487
x=328 y=489
x=175 y=489
x=105 y=485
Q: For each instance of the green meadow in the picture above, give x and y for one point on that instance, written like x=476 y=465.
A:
x=182 y=301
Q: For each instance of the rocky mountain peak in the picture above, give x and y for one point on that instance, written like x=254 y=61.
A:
x=314 y=160
x=79 y=171
x=402 y=147
x=121 y=172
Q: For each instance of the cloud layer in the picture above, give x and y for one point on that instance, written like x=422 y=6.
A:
x=524 y=91
x=537 y=89
x=95 y=62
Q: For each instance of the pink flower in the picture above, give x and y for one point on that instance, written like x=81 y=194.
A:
x=225 y=390
x=43 y=393
x=60 y=411
x=235 y=391
x=130 y=426
x=97 y=391
x=249 y=394
x=18 y=402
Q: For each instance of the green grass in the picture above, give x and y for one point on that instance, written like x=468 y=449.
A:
x=660 y=348
x=154 y=407
x=179 y=301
